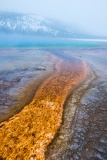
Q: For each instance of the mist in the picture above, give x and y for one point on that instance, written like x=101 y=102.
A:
x=91 y=15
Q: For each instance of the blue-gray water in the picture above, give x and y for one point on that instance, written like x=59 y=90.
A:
x=14 y=40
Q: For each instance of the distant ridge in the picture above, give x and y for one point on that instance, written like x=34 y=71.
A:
x=35 y=25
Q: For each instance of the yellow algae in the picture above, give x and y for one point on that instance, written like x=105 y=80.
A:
x=27 y=134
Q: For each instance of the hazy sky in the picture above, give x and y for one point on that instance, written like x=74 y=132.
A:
x=91 y=15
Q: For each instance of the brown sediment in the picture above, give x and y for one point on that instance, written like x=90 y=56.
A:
x=27 y=134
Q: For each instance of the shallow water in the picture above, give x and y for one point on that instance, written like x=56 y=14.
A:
x=83 y=134
x=17 y=40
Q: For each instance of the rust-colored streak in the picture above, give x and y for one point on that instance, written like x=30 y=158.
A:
x=27 y=134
